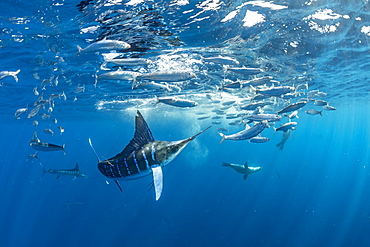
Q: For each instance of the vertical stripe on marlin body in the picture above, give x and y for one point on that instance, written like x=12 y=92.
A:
x=143 y=156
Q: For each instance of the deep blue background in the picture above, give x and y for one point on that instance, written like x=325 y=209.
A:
x=313 y=193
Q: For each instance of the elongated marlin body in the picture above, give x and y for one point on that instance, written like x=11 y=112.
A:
x=75 y=172
x=143 y=156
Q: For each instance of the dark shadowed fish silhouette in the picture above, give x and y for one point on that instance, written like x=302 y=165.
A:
x=281 y=144
x=244 y=169
x=47 y=147
x=75 y=172
x=143 y=156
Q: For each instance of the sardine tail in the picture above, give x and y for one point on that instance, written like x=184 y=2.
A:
x=79 y=50
x=156 y=99
x=134 y=82
x=14 y=74
x=223 y=137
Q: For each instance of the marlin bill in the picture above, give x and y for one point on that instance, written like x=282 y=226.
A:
x=143 y=156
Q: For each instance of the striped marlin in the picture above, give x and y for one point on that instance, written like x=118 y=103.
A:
x=143 y=156
x=74 y=172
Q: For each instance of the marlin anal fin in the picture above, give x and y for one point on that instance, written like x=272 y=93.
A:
x=158 y=181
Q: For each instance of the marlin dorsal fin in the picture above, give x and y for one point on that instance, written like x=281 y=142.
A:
x=158 y=181
x=76 y=167
x=142 y=136
x=246 y=165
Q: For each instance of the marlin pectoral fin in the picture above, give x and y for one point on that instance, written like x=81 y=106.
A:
x=245 y=176
x=57 y=176
x=119 y=186
x=158 y=181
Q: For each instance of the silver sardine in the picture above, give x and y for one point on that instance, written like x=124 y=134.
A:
x=176 y=75
x=245 y=71
x=47 y=147
x=275 y=91
x=174 y=101
x=292 y=107
x=104 y=45
x=222 y=60
x=129 y=61
x=119 y=75
x=247 y=133
x=14 y=74
x=286 y=127
x=261 y=117
x=259 y=139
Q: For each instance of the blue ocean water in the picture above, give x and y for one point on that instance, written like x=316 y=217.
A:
x=314 y=192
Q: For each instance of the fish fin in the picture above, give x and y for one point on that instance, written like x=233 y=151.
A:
x=79 y=50
x=76 y=167
x=119 y=186
x=156 y=99
x=245 y=176
x=151 y=185
x=74 y=178
x=97 y=157
x=134 y=81
x=246 y=165
x=142 y=136
x=158 y=181
x=63 y=147
x=274 y=130
x=223 y=137
x=320 y=112
x=225 y=164
x=57 y=177
x=14 y=74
